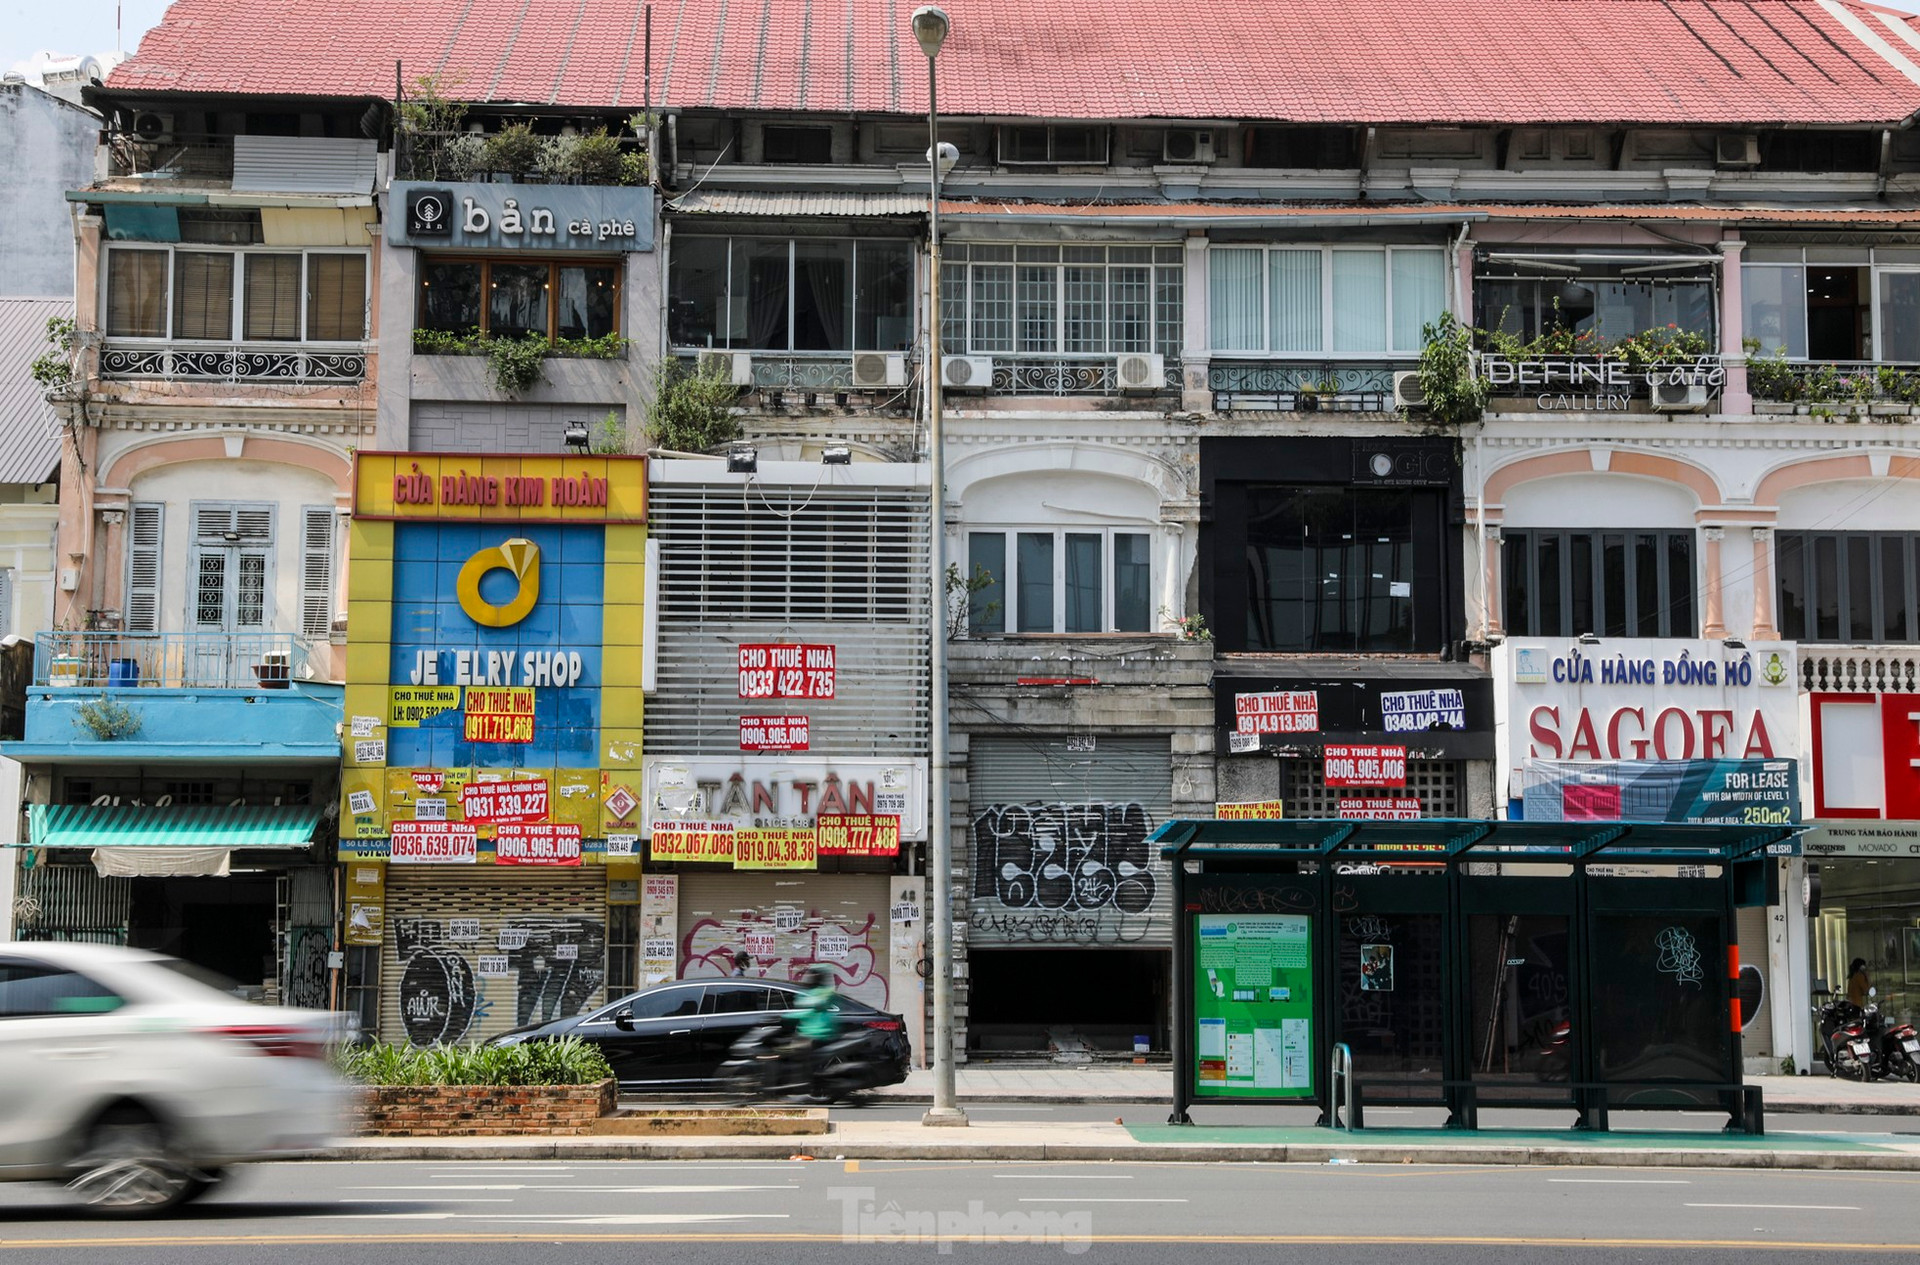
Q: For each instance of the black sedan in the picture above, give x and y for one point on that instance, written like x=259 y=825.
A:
x=676 y=1035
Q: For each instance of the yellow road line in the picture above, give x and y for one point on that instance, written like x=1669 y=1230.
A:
x=1267 y=1240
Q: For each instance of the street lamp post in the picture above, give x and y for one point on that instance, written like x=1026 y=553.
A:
x=930 y=30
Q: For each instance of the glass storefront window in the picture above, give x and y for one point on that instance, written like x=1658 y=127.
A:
x=1869 y=908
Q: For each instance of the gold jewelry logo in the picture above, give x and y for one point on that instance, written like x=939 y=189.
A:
x=520 y=556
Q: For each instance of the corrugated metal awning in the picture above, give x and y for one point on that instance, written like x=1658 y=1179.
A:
x=144 y=826
x=790 y=203
x=29 y=431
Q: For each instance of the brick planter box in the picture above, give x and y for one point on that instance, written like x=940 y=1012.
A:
x=446 y=1111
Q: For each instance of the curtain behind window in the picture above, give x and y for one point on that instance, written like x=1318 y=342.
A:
x=137 y=293
x=1419 y=294
x=202 y=295
x=1294 y=283
x=1359 y=300
x=822 y=300
x=272 y=310
x=587 y=297
x=337 y=298
x=1233 y=300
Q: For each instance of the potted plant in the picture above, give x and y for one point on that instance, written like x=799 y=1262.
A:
x=513 y=152
x=597 y=158
x=559 y=161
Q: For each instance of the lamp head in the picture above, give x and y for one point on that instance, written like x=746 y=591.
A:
x=949 y=155
x=930 y=28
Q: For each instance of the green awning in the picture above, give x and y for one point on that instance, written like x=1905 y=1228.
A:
x=130 y=826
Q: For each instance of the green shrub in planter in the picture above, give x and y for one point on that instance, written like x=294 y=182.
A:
x=568 y=1061
x=514 y=150
x=597 y=158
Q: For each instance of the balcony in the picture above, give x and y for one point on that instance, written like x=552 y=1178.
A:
x=1859 y=669
x=1270 y=385
x=1851 y=389
x=103 y=697
x=235 y=362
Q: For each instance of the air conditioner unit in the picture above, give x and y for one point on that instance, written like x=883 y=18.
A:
x=873 y=370
x=153 y=127
x=1679 y=397
x=1141 y=371
x=967 y=373
x=742 y=369
x=1736 y=149
x=714 y=364
x=1189 y=145
x=1406 y=390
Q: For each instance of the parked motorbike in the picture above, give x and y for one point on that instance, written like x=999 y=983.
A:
x=1896 y=1047
x=1844 y=1041
x=774 y=1061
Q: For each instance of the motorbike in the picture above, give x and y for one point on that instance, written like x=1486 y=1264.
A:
x=774 y=1061
x=1896 y=1047
x=1844 y=1041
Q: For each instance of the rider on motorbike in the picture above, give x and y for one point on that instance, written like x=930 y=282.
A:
x=818 y=1017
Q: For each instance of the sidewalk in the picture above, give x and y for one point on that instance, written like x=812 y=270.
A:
x=1153 y=1083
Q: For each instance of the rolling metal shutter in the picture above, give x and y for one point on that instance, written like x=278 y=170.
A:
x=787 y=921
x=467 y=955
x=1056 y=848
x=303 y=164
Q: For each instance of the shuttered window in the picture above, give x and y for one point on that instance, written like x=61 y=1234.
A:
x=273 y=297
x=337 y=298
x=232 y=559
x=137 y=293
x=316 y=570
x=143 y=568
x=6 y=600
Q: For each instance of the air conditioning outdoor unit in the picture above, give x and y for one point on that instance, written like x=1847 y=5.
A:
x=1141 y=371
x=873 y=370
x=967 y=373
x=742 y=369
x=1189 y=145
x=1679 y=397
x=153 y=127
x=1736 y=149
x=1406 y=390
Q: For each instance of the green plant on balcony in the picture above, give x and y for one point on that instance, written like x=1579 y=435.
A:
x=107 y=719
x=1770 y=377
x=597 y=158
x=692 y=409
x=514 y=150
x=429 y=123
x=464 y=157
x=1454 y=393
x=1897 y=386
x=605 y=347
x=516 y=364
x=446 y=342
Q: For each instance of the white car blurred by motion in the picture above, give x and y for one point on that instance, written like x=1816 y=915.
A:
x=136 y=1084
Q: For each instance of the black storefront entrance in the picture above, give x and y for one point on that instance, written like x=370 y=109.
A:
x=1463 y=964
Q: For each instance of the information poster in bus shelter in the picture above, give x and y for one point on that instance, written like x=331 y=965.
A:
x=1253 y=1006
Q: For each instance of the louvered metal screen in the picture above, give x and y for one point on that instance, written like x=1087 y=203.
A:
x=72 y=902
x=842 y=566
x=1436 y=783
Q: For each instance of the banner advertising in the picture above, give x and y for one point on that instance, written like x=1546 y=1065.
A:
x=1286 y=712
x=434 y=843
x=537 y=843
x=1250 y=810
x=693 y=841
x=489 y=803
x=786 y=671
x=1713 y=792
x=1253 y=1006
x=774 y=850
x=862 y=836
x=774 y=733
x=1411 y=711
x=1399 y=808
x=771 y=792
x=1366 y=766
x=499 y=714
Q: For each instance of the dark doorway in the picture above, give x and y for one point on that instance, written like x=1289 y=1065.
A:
x=222 y=924
x=1067 y=1001
x=1837 y=313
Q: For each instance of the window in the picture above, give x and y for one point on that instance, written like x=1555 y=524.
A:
x=201 y=293
x=781 y=294
x=519 y=299
x=734 y=999
x=1610 y=299
x=1563 y=583
x=668 y=1003
x=143 y=567
x=813 y=145
x=1330 y=569
x=231 y=567
x=1042 y=144
x=316 y=570
x=1832 y=302
x=1060 y=580
x=1061 y=300
x=1855 y=587
x=1322 y=300
x=29 y=989
x=1303 y=147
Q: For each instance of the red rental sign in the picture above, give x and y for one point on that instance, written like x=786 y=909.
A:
x=773 y=733
x=489 y=803
x=786 y=671
x=537 y=844
x=1366 y=766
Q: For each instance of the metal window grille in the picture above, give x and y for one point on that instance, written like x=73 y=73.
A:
x=71 y=902
x=1437 y=783
x=1086 y=309
x=1038 y=308
x=843 y=566
x=1131 y=296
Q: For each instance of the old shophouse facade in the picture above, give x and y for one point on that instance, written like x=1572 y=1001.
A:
x=1183 y=315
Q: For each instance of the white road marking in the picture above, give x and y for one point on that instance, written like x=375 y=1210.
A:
x=631 y=1218
x=1065 y=1199
x=602 y=1190
x=1620 y=1181
x=425 y=1201
x=1787 y=1207
x=1064 y=1177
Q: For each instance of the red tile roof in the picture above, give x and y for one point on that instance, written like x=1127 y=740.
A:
x=1712 y=62
x=1188 y=211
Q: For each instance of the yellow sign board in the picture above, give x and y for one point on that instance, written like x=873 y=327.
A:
x=783 y=849
x=499 y=714
x=408 y=705
x=396 y=486
x=692 y=841
x=1250 y=810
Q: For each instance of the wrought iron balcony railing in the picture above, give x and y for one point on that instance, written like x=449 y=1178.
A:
x=212 y=661
x=1274 y=384
x=235 y=362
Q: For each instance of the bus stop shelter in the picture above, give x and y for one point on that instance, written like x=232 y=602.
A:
x=1464 y=964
